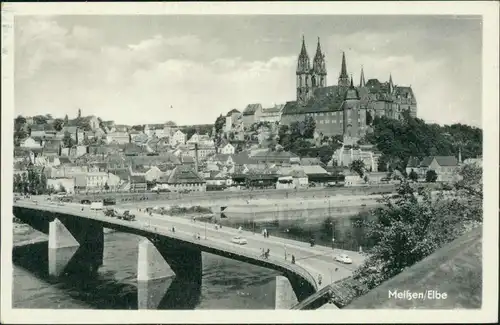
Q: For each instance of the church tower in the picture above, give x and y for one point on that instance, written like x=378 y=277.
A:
x=391 y=85
x=319 y=68
x=343 y=77
x=362 y=82
x=304 y=82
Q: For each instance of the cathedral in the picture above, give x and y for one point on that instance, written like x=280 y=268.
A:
x=343 y=109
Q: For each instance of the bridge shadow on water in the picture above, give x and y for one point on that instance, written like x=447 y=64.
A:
x=101 y=290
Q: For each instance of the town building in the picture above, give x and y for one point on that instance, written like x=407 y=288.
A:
x=446 y=167
x=178 y=138
x=271 y=114
x=228 y=149
x=62 y=184
x=185 y=178
x=30 y=143
x=231 y=119
x=249 y=114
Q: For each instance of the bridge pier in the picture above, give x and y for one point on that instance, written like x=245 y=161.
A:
x=74 y=245
x=160 y=262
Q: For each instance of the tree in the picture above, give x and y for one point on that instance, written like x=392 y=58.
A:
x=19 y=122
x=40 y=119
x=106 y=186
x=309 y=127
x=79 y=113
x=66 y=119
x=58 y=124
x=369 y=118
x=62 y=188
x=67 y=140
x=358 y=166
x=407 y=229
x=431 y=176
x=413 y=176
x=219 y=123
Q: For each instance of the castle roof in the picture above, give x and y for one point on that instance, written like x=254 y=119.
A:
x=231 y=112
x=251 y=109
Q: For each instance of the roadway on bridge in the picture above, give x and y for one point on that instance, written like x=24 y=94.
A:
x=317 y=260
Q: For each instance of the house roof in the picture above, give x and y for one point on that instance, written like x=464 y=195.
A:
x=122 y=173
x=275 y=109
x=314 y=169
x=64 y=160
x=234 y=110
x=137 y=179
x=412 y=162
x=251 y=109
x=441 y=160
x=310 y=161
x=187 y=159
x=52 y=145
x=184 y=175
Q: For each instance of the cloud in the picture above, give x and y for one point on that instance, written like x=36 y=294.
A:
x=60 y=68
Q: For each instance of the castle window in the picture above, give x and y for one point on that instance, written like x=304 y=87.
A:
x=327 y=121
x=334 y=121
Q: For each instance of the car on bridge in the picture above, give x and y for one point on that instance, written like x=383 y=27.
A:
x=343 y=258
x=239 y=240
x=110 y=213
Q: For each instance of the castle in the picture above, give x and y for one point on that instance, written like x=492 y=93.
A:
x=343 y=109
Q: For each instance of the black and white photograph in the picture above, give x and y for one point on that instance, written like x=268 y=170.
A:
x=220 y=159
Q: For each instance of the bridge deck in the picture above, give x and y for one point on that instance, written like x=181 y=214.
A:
x=311 y=262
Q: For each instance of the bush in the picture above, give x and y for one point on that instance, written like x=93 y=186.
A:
x=431 y=176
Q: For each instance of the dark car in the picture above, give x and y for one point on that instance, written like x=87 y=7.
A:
x=85 y=202
x=109 y=201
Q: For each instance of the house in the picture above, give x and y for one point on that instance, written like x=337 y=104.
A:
x=310 y=161
x=272 y=114
x=249 y=114
x=285 y=183
x=446 y=167
x=203 y=152
x=38 y=130
x=231 y=117
x=29 y=142
x=52 y=148
x=274 y=157
x=62 y=184
x=118 y=134
x=73 y=132
x=178 y=138
x=352 y=178
x=151 y=130
x=153 y=174
x=300 y=178
x=228 y=149
x=185 y=178
x=138 y=183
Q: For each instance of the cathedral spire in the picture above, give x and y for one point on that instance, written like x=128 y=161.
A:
x=319 y=54
x=343 y=77
x=303 y=50
x=352 y=85
x=362 y=82
x=343 y=70
x=391 y=85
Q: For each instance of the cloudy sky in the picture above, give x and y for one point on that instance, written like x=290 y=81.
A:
x=146 y=69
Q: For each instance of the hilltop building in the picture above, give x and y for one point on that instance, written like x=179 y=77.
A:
x=343 y=109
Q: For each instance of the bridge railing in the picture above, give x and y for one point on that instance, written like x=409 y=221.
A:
x=210 y=245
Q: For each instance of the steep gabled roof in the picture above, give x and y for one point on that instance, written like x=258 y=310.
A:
x=441 y=160
x=234 y=110
x=184 y=175
x=251 y=109
x=135 y=179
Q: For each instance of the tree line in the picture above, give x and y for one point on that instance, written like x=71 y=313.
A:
x=398 y=140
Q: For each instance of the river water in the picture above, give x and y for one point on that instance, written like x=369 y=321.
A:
x=226 y=283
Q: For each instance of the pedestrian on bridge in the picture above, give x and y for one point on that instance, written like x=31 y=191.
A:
x=319 y=279
x=293 y=259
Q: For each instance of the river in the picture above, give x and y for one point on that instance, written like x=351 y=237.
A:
x=226 y=283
